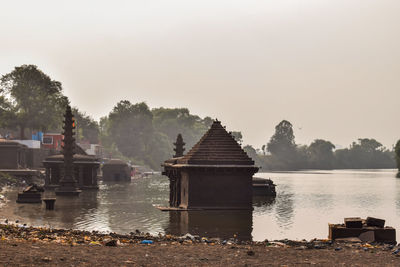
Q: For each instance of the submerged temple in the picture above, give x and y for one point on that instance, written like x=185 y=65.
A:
x=215 y=174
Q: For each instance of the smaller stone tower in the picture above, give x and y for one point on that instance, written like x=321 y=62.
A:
x=179 y=146
x=68 y=185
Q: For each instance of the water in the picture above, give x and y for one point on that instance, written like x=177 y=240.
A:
x=306 y=202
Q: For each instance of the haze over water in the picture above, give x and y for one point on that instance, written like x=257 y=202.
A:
x=306 y=202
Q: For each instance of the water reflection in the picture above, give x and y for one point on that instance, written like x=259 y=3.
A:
x=305 y=203
x=284 y=207
x=215 y=223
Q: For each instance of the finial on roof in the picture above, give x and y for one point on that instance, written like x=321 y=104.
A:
x=217 y=121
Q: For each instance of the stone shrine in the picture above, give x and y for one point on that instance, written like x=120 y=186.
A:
x=215 y=174
x=68 y=184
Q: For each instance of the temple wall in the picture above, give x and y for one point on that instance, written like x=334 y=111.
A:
x=218 y=189
x=184 y=189
x=9 y=158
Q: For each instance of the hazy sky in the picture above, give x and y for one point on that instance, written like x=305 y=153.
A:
x=332 y=68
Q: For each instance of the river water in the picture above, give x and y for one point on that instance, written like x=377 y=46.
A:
x=306 y=202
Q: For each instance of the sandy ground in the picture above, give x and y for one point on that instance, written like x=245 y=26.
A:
x=28 y=253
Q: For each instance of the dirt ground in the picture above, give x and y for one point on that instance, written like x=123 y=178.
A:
x=28 y=253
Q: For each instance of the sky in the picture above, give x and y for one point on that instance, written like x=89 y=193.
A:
x=330 y=67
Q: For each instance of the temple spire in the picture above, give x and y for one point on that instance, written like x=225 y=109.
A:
x=68 y=184
x=179 y=146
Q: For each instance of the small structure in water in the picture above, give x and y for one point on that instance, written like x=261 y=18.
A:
x=85 y=170
x=215 y=174
x=116 y=170
x=31 y=194
x=68 y=185
x=12 y=155
x=263 y=187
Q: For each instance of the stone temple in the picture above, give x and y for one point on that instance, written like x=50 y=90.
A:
x=215 y=174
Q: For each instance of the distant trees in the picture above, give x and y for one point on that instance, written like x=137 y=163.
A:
x=320 y=154
x=282 y=146
x=366 y=153
x=397 y=155
x=238 y=136
x=284 y=154
x=172 y=121
x=146 y=136
x=30 y=99
x=130 y=126
x=87 y=129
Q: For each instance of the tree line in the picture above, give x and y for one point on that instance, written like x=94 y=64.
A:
x=31 y=101
x=282 y=153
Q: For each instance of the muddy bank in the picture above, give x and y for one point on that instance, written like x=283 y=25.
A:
x=22 y=245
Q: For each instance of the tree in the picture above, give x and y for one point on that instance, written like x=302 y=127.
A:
x=365 y=154
x=172 y=121
x=36 y=101
x=130 y=127
x=397 y=155
x=7 y=115
x=238 y=136
x=320 y=154
x=86 y=127
x=282 y=145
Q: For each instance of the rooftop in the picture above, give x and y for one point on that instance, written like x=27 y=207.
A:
x=216 y=147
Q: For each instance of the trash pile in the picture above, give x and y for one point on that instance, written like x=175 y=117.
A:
x=21 y=232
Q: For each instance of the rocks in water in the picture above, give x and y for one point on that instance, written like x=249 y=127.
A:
x=31 y=194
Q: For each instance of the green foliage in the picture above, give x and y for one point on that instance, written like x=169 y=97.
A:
x=238 y=136
x=282 y=146
x=87 y=129
x=148 y=136
x=282 y=143
x=366 y=153
x=130 y=127
x=32 y=99
x=171 y=122
x=320 y=154
x=397 y=154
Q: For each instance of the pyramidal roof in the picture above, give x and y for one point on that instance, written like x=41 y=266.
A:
x=216 y=147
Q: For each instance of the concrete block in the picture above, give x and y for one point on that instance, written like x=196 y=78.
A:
x=370 y=221
x=355 y=222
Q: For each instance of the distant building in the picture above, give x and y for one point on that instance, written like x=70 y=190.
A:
x=52 y=141
x=12 y=155
x=116 y=170
x=85 y=170
x=215 y=174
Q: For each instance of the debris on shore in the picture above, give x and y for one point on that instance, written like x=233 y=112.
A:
x=22 y=232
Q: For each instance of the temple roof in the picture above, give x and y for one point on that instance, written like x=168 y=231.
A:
x=216 y=147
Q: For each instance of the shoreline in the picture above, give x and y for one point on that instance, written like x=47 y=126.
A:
x=26 y=245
